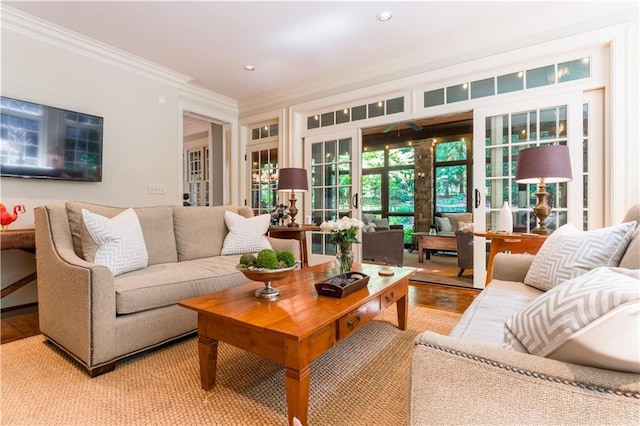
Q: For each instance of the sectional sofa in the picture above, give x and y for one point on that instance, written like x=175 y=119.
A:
x=100 y=312
x=553 y=339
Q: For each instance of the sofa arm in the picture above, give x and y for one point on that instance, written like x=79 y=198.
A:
x=457 y=382
x=76 y=298
x=511 y=267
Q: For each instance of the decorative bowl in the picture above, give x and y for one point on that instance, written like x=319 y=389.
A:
x=267 y=276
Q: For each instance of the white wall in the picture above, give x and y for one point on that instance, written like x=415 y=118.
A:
x=142 y=136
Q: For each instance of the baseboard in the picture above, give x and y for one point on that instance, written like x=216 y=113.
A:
x=28 y=306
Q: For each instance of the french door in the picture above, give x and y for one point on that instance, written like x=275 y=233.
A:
x=500 y=133
x=334 y=187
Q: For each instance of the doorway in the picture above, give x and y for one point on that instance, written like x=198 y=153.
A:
x=203 y=154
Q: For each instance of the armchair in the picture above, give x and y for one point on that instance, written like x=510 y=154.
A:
x=385 y=246
x=464 y=242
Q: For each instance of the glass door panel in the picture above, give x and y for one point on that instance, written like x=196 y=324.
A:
x=264 y=177
x=506 y=131
x=331 y=187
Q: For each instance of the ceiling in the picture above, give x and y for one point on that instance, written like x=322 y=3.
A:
x=306 y=45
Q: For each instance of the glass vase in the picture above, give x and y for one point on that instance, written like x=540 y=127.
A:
x=345 y=259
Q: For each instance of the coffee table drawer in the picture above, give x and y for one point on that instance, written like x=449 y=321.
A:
x=354 y=320
x=391 y=296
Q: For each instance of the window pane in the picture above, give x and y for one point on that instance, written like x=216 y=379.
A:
x=451 y=188
x=359 y=113
x=401 y=191
x=434 y=97
x=482 y=88
x=372 y=159
x=395 y=105
x=510 y=82
x=343 y=116
x=376 y=109
x=401 y=156
x=313 y=122
x=574 y=70
x=451 y=151
x=542 y=76
x=457 y=93
x=327 y=119
x=372 y=192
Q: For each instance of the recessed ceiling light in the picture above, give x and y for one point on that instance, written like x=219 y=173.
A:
x=249 y=68
x=383 y=16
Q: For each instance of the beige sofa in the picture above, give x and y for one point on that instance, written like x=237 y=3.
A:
x=469 y=377
x=98 y=318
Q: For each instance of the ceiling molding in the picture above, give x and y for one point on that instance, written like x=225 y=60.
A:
x=23 y=23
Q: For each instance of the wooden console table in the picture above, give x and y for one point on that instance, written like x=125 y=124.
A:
x=512 y=243
x=18 y=239
x=295 y=233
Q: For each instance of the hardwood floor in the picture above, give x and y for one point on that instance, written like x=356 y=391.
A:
x=21 y=323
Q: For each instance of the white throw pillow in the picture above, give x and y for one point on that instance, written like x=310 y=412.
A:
x=120 y=241
x=246 y=235
x=590 y=320
x=570 y=252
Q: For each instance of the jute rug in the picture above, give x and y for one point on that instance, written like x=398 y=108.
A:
x=363 y=380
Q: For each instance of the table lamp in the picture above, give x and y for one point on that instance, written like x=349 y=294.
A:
x=292 y=179
x=541 y=165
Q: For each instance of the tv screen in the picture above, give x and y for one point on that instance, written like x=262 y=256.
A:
x=40 y=141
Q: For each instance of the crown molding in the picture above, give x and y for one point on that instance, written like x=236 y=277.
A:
x=23 y=23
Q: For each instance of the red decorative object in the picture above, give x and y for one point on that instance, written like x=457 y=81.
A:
x=7 y=218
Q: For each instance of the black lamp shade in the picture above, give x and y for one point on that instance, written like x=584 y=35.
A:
x=292 y=179
x=548 y=162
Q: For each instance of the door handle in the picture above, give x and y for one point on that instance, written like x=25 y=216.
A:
x=476 y=201
x=354 y=201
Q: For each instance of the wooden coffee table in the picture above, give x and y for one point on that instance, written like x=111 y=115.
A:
x=296 y=328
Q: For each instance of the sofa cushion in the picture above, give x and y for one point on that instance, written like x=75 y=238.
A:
x=120 y=241
x=381 y=224
x=156 y=223
x=246 y=235
x=456 y=218
x=200 y=231
x=169 y=283
x=592 y=320
x=483 y=321
x=570 y=252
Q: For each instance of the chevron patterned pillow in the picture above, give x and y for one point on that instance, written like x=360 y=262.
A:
x=590 y=320
x=246 y=235
x=570 y=252
x=121 y=246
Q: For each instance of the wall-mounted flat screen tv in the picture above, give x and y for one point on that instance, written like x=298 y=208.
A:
x=40 y=141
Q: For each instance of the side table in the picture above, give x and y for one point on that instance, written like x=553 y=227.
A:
x=514 y=243
x=295 y=233
x=20 y=239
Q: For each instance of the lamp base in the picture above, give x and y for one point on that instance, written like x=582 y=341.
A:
x=542 y=210
x=542 y=231
x=293 y=211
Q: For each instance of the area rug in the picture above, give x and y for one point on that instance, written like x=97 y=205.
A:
x=363 y=380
